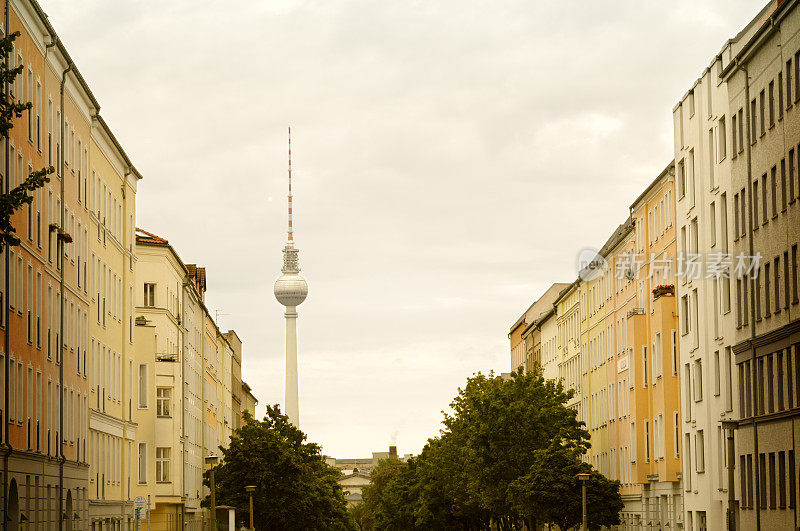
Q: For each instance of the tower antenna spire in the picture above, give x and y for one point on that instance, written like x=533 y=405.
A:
x=291 y=231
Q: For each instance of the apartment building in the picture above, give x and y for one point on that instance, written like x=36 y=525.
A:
x=525 y=336
x=762 y=144
x=45 y=286
x=249 y=402
x=568 y=322
x=706 y=203
x=622 y=426
x=111 y=193
x=622 y=312
x=653 y=358
x=598 y=355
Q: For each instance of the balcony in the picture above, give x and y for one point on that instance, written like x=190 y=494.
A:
x=164 y=356
x=664 y=290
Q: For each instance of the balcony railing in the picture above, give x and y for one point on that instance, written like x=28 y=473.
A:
x=166 y=356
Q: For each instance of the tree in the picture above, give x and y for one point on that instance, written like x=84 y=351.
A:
x=551 y=490
x=295 y=488
x=360 y=516
x=11 y=108
x=508 y=456
x=501 y=423
x=390 y=498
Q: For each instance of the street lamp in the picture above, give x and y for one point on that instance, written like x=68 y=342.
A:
x=733 y=509
x=250 y=489
x=583 y=477
x=212 y=460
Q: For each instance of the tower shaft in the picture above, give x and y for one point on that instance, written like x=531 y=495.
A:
x=292 y=394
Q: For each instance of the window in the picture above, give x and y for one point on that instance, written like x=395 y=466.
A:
x=753 y=121
x=755 y=205
x=734 y=150
x=722 y=137
x=142 y=463
x=712 y=225
x=677 y=435
x=728 y=380
x=762 y=99
x=674 y=353
x=163 y=398
x=783 y=185
x=644 y=365
x=792 y=480
x=149 y=295
x=723 y=215
x=646 y=441
x=698 y=380
x=685 y=314
x=789 y=83
x=142 y=385
x=762 y=473
x=700 y=452
x=717 y=370
x=791 y=176
x=771 y=104
x=162 y=465
x=774 y=191
x=797 y=75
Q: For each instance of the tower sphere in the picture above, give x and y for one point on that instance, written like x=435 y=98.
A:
x=291 y=289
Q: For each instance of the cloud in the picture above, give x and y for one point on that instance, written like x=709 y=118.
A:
x=450 y=158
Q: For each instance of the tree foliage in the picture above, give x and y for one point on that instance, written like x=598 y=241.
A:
x=295 y=488
x=508 y=455
x=11 y=108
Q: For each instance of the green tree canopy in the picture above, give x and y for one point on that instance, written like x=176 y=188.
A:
x=508 y=455
x=551 y=490
x=295 y=488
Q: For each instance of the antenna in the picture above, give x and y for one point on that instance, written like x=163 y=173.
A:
x=291 y=231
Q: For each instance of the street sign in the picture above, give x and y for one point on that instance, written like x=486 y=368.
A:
x=139 y=510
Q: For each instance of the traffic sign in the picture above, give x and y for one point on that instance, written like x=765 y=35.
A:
x=139 y=510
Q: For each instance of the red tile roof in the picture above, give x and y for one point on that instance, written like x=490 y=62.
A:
x=142 y=236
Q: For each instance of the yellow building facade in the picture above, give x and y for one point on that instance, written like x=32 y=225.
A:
x=613 y=334
x=111 y=191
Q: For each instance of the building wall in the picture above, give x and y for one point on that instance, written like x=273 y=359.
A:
x=48 y=380
x=111 y=190
x=767 y=334
x=159 y=446
x=706 y=326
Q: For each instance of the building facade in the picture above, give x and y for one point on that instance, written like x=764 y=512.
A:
x=111 y=200
x=762 y=145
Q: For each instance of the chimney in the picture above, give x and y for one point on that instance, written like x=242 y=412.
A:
x=393 y=451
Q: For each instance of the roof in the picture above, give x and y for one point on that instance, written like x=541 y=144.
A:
x=670 y=169
x=545 y=301
x=142 y=236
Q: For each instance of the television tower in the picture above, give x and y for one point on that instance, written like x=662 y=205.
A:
x=291 y=290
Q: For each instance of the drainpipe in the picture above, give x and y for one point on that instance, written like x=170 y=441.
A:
x=126 y=324
x=60 y=351
x=202 y=407
x=182 y=317
x=752 y=297
x=7 y=341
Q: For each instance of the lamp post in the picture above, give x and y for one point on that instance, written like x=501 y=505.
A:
x=251 y=489
x=733 y=508
x=212 y=460
x=584 y=477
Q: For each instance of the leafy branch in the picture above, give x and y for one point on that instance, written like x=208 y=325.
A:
x=11 y=109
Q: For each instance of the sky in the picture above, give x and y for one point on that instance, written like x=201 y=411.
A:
x=450 y=159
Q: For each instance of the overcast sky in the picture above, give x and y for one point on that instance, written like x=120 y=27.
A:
x=450 y=159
